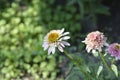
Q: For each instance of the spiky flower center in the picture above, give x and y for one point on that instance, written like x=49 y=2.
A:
x=117 y=47
x=53 y=37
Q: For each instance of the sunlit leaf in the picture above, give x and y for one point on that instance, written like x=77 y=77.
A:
x=115 y=70
x=100 y=68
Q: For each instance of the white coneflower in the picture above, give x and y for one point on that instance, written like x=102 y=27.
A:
x=95 y=41
x=55 y=38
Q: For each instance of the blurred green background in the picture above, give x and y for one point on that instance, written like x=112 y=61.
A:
x=23 y=25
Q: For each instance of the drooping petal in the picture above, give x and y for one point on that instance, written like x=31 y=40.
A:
x=45 y=46
x=60 y=48
x=88 y=49
x=53 y=50
x=65 y=43
x=50 y=50
x=62 y=44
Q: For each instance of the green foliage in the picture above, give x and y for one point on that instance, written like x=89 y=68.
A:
x=21 y=36
x=94 y=67
x=70 y=14
x=22 y=25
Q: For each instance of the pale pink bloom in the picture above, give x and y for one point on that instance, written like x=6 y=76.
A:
x=95 y=41
x=55 y=38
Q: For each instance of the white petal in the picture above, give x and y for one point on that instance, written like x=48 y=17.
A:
x=60 y=48
x=83 y=41
x=66 y=33
x=45 y=46
x=66 y=37
x=65 y=43
x=50 y=50
x=88 y=49
x=62 y=30
x=53 y=50
x=62 y=44
x=45 y=37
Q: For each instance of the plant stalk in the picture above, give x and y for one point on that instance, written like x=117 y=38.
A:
x=106 y=65
x=77 y=64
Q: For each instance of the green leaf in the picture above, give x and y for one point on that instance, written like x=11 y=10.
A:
x=37 y=59
x=115 y=70
x=99 y=70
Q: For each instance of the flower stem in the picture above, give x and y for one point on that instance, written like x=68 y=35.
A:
x=77 y=64
x=106 y=65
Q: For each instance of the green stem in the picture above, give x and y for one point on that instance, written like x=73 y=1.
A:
x=103 y=60
x=71 y=58
x=113 y=60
